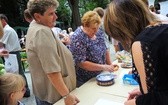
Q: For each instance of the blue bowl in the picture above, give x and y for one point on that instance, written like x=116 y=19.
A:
x=105 y=79
x=128 y=79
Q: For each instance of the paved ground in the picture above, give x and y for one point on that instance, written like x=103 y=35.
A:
x=31 y=101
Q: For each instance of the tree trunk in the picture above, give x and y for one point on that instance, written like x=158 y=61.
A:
x=76 y=21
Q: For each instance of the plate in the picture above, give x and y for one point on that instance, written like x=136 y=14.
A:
x=123 y=65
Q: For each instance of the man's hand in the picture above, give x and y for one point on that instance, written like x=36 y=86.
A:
x=4 y=53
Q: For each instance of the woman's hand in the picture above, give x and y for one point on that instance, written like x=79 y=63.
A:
x=134 y=94
x=109 y=68
x=66 y=40
x=71 y=100
x=132 y=97
x=130 y=102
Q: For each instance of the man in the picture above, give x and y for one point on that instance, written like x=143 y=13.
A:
x=11 y=41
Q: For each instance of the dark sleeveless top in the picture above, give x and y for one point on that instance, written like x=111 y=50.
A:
x=154 y=44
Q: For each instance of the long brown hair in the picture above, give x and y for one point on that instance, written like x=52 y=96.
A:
x=125 y=19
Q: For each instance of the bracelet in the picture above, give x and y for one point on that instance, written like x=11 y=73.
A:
x=65 y=96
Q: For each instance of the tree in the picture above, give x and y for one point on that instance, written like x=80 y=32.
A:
x=13 y=9
x=76 y=21
x=69 y=12
x=79 y=7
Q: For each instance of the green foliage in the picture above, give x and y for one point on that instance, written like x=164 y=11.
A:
x=1 y=61
x=14 y=10
x=2 y=69
x=102 y=3
x=23 y=55
x=86 y=5
x=64 y=12
x=1 y=66
x=25 y=63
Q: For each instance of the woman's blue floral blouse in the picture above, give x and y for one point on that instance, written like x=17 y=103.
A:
x=84 y=49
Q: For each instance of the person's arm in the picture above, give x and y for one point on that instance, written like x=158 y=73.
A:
x=137 y=55
x=139 y=63
x=108 y=57
x=57 y=81
x=90 y=66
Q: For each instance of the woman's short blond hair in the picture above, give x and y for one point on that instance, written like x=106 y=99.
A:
x=89 y=18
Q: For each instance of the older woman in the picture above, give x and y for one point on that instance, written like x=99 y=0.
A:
x=131 y=22
x=53 y=75
x=88 y=48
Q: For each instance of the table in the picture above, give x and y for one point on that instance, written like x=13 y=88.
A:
x=89 y=93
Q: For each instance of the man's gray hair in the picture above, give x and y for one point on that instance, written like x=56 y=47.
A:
x=40 y=6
